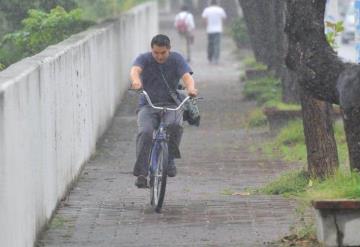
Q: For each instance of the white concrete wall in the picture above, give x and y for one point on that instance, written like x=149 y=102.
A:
x=53 y=108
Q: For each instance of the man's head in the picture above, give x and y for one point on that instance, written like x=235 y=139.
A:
x=160 y=48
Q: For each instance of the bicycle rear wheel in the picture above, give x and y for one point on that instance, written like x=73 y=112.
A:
x=158 y=175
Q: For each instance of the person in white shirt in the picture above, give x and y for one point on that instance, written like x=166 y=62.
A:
x=214 y=16
x=185 y=25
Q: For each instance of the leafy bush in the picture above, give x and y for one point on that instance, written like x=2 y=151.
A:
x=12 y=12
x=40 y=29
x=263 y=89
x=239 y=32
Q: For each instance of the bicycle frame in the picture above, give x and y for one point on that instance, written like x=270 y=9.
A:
x=158 y=159
x=160 y=133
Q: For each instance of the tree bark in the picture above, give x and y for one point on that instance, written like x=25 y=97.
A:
x=319 y=137
x=323 y=74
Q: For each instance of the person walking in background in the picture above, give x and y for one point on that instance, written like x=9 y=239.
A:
x=184 y=24
x=214 y=16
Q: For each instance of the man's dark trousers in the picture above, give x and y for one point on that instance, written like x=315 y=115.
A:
x=148 y=120
x=214 y=40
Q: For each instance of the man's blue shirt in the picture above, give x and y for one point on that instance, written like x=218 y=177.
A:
x=152 y=76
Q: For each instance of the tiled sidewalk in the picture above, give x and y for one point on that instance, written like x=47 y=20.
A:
x=106 y=209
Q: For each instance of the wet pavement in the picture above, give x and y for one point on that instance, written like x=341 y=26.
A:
x=205 y=204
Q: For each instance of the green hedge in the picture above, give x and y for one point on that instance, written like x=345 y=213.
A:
x=40 y=29
x=239 y=33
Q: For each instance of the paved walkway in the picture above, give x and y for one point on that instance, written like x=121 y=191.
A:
x=106 y=209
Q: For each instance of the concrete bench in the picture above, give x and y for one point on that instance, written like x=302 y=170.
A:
x=338 y=222
x=279 y=118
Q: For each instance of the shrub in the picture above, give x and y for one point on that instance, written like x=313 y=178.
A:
x=239 y=33
x=40 y=29
x=250 y=62
x=263 y=89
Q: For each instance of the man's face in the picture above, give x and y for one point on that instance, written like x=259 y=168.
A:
x=160 y=53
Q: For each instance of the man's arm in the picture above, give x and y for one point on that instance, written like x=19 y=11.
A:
x=135 y=73
x=189 y=84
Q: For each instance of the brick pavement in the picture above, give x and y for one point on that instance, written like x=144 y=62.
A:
x=106 y=209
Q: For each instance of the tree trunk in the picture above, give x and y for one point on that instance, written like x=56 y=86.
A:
x=290 y=87
x=320 y=142
x=265 y=20
x=352 y=130
x=323 y=74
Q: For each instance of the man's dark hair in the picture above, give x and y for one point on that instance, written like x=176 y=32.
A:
x=161 y=40
x=214 y=2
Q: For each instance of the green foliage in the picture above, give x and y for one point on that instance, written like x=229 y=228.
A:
x=2 y=66
x=40 y=29
x=341 y=143
x=14 y=11
x=341 y=185
x=334 y=29
x=282 y=106
x=263 y=89
x=291 y=135
x=250 y=62
x=289 y=183
x=290 y=142
x=256 y=118
x=239 y=32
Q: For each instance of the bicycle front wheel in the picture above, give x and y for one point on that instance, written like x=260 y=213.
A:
x=158 y=175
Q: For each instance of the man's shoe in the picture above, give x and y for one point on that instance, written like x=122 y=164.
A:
x=141 y=182
x=171 y=171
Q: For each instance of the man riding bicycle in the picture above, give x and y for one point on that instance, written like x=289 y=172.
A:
x=158 y=72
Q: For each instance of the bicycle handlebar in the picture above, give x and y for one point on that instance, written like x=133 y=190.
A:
x=162 y=108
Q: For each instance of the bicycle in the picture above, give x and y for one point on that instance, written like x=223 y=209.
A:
x=158 y=160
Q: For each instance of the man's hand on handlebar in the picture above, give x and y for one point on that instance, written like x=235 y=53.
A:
x=136 y=85
x=192 y=92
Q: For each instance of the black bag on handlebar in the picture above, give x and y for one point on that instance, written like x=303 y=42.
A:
x=191 y=110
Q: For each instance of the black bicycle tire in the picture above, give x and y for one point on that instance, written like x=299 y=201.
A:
x=158 y=206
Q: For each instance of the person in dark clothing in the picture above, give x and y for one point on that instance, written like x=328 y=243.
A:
x=157 y=72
